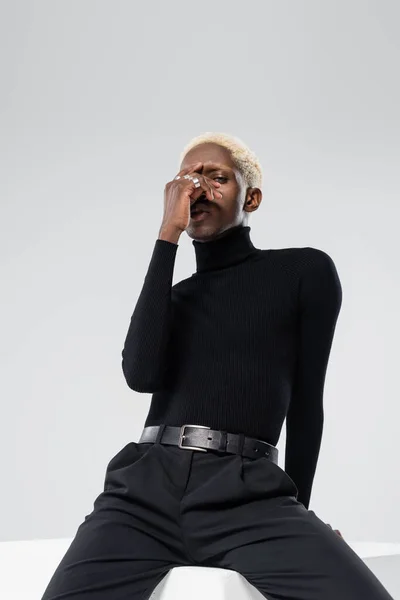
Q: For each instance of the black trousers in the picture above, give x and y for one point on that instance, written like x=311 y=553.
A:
x=163 y=506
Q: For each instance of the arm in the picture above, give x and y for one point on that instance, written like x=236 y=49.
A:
x=144 y=354
x=320 y=299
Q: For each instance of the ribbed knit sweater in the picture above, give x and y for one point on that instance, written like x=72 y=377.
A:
x=240 y=345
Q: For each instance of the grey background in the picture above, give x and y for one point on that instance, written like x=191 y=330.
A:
x=97 y=101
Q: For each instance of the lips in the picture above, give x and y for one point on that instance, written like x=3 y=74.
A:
x=197 y=208
x=199 y=216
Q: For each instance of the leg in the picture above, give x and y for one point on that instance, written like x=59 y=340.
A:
x=109 y=560
x=128 y=543
x=289 y=553
x=246 y=518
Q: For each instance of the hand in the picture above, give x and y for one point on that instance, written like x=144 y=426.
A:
x=180 y=194
x=336 y=531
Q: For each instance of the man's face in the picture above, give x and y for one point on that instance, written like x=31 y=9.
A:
x=225 y=212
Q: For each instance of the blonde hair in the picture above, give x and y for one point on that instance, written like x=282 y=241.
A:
x=245 y=160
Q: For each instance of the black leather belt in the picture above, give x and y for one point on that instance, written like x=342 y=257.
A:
x=199 y=437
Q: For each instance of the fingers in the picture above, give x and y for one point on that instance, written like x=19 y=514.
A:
x=205 y=184
x=189 y=169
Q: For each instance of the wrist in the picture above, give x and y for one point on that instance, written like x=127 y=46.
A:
x=169 y=234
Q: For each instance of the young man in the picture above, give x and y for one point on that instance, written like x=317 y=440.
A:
x=227 y=355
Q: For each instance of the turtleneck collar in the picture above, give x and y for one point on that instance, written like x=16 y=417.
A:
x=232 y=247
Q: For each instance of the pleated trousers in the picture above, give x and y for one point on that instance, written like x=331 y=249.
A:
x=163 y=507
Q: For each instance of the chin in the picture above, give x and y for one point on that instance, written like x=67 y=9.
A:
x=202 y=231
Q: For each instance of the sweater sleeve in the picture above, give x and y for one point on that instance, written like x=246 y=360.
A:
x=145 y=348
x=320 y=299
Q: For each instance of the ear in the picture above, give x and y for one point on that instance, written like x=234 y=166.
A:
x=253 y=199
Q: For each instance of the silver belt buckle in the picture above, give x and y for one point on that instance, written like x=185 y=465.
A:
x=182 y=435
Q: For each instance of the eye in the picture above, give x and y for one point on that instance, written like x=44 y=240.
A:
x=225 y=178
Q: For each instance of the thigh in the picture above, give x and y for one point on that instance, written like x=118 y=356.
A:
x=243 y=515
x=289 y=553
x=120 y=551
x=108 y=560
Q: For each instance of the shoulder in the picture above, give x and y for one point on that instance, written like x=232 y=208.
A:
x=313 y=270
x=302 y=260
x=305 y=254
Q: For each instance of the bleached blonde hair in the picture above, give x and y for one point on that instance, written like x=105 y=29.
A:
x=245 y=160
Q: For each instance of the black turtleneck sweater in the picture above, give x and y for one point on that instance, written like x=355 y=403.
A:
x=240 y=345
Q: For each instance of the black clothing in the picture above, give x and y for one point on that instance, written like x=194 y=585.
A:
x=164 y=507
x=235 y=347
x=240 y=345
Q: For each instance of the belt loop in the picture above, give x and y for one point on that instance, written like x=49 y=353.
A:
x=160 y=434
x=223 y=441
x=241 y=443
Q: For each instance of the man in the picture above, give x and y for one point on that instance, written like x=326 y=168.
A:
x=228 y=354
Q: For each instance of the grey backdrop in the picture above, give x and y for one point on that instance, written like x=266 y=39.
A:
x=97 y=101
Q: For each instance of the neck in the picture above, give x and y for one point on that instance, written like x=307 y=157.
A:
x=231 y=247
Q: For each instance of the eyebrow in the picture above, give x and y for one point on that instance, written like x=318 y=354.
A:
x=216 y=167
